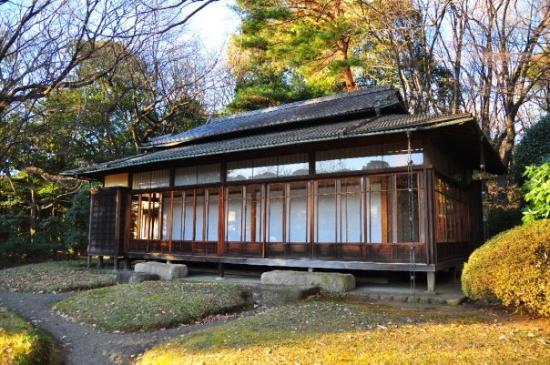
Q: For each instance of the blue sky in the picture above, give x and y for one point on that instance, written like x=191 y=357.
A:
x=214 y=25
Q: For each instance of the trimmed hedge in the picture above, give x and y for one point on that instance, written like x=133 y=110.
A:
x=22 y=343
x=513 y=268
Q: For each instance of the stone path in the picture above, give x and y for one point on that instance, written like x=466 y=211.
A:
x=83 y=344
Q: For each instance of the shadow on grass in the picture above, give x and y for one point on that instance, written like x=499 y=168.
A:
x=340 y=332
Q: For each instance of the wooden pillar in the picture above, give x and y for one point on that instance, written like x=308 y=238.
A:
x=430 y=281
x=221 y=269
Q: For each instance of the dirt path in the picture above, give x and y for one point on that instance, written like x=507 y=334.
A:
x=82 y=344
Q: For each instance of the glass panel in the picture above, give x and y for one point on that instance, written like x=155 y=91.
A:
x=297 y=226
x=160 y=179
x=379 y=209
x=264 y=168
x=264 y=172
x=208 y=173
x=233 y=215
x=268 y=168
x=188 y=217
x=165 y=216
x=203 y=174
x=155 y=215
x=351 y=227
x=185 y=176
x=253 y=215
x=141 y=180
x=212 y=222
x=239 y=174
x=366 y=158
x=177 y=212
x=275 y=211
x=199 y=216
x=293 y=165
x=135 y=217
x=151 y=179
x=325 y=226
x=294 y=169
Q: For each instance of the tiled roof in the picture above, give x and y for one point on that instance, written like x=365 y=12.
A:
x=340 y=105
x=334 y=131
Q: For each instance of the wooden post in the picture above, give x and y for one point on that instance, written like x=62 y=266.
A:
x=221 y=270
x=430 y=281
x=100 y=262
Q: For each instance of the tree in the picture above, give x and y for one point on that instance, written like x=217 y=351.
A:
x=292 y=50
x=43 y=43
x=533 y=148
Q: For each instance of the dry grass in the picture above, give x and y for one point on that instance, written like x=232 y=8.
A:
x=150 y=305
x=21 y=343
x=53 y=277
x=329 y=332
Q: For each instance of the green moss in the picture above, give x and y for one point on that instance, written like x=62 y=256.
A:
x=148 y=305
x=55 y=276
x=21 y=343
x=513 y=268
x=331 y=332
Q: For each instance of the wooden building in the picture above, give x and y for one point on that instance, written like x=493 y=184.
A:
x=323 y=183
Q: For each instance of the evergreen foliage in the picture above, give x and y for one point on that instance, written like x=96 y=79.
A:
x=534 y=148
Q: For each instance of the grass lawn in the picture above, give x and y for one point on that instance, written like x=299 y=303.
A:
x=21 y=343
x=332 y=332
x=55 y=276
x=153 y=304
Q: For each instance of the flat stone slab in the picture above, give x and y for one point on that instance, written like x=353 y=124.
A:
x=272 y=295
x=127 y=276
x=162 y=270
x=329 y=282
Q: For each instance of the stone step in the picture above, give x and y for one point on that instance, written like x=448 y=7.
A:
x=328 y=282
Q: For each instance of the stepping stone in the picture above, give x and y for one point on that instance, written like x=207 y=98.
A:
x=329 y=282
x=164 y=271
x=127 y=276
x=272 y=295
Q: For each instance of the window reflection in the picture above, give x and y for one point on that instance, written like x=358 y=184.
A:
x=275 y=212
x=366 y=158
x=268 y=168
x=297 y=216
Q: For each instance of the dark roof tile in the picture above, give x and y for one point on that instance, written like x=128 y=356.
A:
x=325 y=132
x=347 y=104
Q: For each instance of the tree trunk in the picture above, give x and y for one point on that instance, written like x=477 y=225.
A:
x=508 y=141
x=350 y=81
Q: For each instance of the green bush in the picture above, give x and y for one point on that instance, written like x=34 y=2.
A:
x=533 y=148
x=537 y=196
x=513 y=268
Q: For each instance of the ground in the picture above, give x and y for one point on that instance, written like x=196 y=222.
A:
x=22 y=343
x=153 y=304
x=321 y=330
x=329 y=332
x=52 y=277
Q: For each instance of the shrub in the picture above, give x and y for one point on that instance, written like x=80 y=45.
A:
x=513 y=268
x=533 y=148
x=537 y=194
